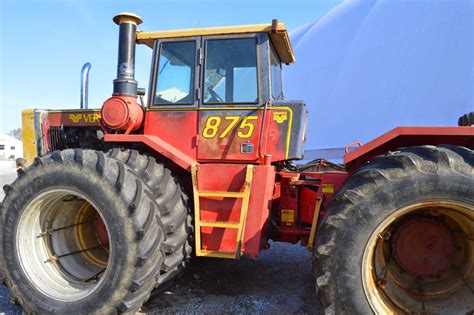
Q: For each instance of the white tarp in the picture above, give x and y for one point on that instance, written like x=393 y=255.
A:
x=369 y=66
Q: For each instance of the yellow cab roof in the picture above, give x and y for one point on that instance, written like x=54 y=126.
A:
x=276 y=31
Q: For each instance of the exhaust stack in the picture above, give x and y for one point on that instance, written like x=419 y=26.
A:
x=85 y=85
x=121 y=111
x=125 y=83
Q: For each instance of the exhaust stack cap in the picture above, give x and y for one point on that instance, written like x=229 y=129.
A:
x=127 y=17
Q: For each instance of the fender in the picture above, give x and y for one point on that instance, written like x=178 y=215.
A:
x=405 y=137
x=158 y=145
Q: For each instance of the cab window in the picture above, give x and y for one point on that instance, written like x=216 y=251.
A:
x=230 y=74
x=176 y=67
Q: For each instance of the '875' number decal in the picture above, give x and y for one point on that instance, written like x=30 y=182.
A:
x=213 y=124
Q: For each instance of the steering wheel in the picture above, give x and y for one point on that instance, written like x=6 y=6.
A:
x=215 y=95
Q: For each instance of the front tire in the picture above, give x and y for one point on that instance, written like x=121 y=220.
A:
x=398 y=237
x=81 y=235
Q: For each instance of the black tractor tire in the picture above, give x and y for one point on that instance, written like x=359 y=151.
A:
x=173 y=206
x=371 y=195
x=67 y=185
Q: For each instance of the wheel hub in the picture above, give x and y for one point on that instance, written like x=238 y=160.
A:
x=419 y=260
x=423 y=247
x=101 y=232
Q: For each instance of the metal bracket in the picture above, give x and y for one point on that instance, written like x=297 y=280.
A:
x=312 y=234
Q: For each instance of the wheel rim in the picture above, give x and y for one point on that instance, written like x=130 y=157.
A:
x=63 y=245
x=404 y=270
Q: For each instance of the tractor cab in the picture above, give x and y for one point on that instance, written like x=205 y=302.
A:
x=228 y=81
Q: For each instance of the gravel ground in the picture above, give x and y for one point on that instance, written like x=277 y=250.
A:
x=279 y=281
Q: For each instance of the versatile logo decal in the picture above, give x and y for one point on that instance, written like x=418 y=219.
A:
x=88 y=118
x=75 y=117
x=280 y=117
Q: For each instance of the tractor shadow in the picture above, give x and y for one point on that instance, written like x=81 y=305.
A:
x=279 y=281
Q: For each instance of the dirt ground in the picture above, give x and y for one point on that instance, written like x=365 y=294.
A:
x=279 y=281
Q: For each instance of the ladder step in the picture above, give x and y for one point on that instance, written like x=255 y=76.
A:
x=218 y=254
x=224 y=194
x=220 y=224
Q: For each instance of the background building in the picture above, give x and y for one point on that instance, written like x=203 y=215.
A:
x=10 y=148
x=368 y=66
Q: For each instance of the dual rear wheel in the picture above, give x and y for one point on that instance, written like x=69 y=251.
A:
x=88 y=233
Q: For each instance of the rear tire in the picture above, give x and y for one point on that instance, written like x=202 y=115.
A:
x=173 y=206
x=365 y=259
x=81 y=235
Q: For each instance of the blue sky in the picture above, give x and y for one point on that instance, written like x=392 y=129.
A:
x=43 y=44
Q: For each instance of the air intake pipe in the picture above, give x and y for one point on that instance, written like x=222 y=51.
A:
x=121 y=111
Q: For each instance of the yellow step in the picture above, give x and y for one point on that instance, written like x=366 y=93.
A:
x=223 y=194
x=217 y=254
x=220 y=224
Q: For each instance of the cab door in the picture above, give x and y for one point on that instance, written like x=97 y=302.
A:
x=172 y=113
x=231 y=110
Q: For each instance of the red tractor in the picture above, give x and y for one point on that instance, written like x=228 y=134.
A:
x=116 y=201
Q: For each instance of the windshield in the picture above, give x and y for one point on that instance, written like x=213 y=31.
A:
x=231 y=71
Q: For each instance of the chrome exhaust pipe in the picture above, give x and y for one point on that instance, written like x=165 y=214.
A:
x=85 y=85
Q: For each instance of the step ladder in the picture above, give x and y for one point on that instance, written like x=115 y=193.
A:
x=240 y=226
